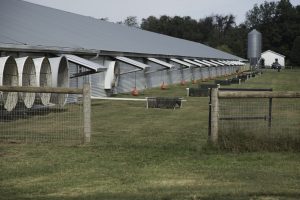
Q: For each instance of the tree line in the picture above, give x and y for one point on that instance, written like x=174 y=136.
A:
x=279 y=23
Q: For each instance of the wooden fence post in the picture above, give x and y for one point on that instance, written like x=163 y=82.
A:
x=270 y=112
x=213 y=137
x=87 y=112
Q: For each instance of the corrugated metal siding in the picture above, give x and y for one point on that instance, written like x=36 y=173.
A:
x=197 y=73
x=205 y=72
x=97 y=84
x=176 y=73
x=155 y=78
x=76 y=82
x=218 y=71
x=214 y=72
x=209 y=72
x=224 y=70
x=97 y=80
x=233 y=69
x=176 y=76
x=230 y=69
x=227 y=70
x=130 y=80
x=187 y=74
x=221 y=71
x=193 y=73
x=73 y=69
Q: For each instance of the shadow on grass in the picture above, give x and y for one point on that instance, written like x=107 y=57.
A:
x=244 y=141
x=254 y=196
x=161 y=193
x=18 y=114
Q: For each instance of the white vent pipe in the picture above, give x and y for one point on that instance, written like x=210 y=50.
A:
x=27 y=77
x=60 y=78
x=43 y=78
x=8 y=77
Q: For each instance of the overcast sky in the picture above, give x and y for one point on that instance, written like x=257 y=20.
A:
x=118 y=10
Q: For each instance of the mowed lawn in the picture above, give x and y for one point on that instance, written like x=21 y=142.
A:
x=137 y=153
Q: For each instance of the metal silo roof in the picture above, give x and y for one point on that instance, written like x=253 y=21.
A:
x=27 y=25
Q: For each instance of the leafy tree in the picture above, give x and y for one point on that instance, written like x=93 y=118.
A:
x=279 y=23
x=295 y=53
x=262 y=14
x=224 y=23
x=130 y=21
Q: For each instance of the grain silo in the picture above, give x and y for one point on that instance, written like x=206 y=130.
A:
x=254 y=47
x=8 y=77
x=27 y=77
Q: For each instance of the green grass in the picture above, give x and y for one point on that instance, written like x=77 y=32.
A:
x=151 y=154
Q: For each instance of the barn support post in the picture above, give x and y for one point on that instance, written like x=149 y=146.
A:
x=87 y=112
x=214 y=116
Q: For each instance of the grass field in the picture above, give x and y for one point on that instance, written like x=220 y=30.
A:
x=151 y=154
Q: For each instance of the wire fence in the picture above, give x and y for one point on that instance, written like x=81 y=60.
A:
x=260 y=115
x=55 y=120
x=255 y=120
x=150 y=121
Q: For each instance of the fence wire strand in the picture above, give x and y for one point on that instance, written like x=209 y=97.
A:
x=260 y=116
x=52 y=123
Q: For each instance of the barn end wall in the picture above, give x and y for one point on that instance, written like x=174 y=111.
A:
x=269 y=59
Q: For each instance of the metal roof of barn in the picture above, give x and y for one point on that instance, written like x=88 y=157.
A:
x=29 y=26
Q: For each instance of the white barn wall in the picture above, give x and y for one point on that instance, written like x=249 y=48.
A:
x=270 y=57
x=205 y=72
x=74 y=82
x=97 y=79
x=176 y=73
x=151 y=79
x=217 y=71
x=130 y=80
x=196 y=73
x=187 y=74
x=211 y=72
x=222 y=70
x=155 y=78
x=225 y=70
